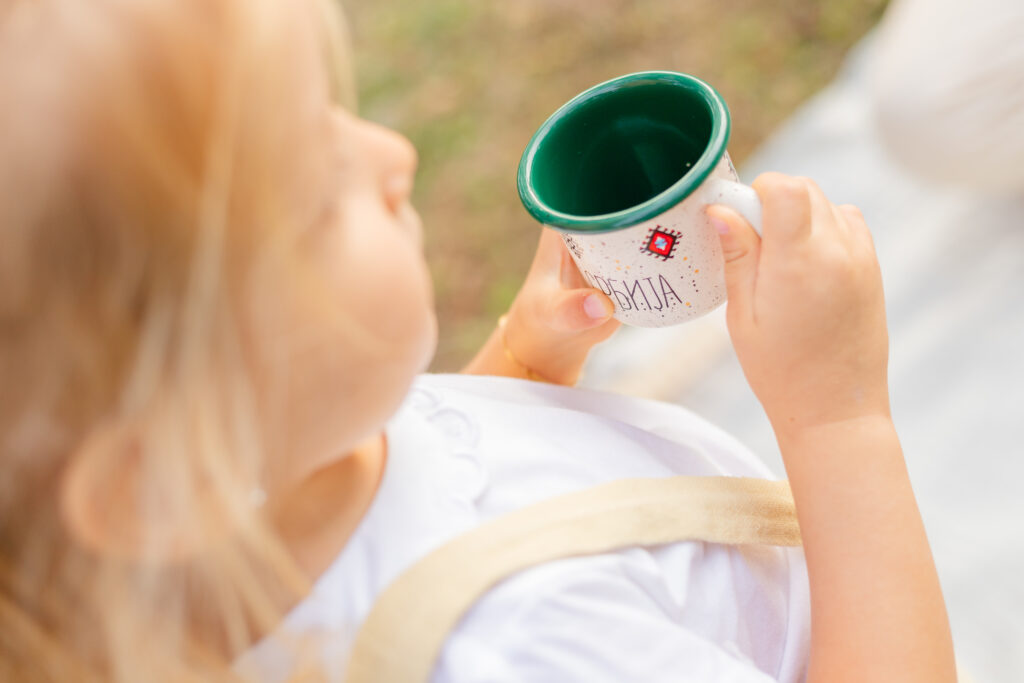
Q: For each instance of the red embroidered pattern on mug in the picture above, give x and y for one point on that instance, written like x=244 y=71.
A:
x=661 y=242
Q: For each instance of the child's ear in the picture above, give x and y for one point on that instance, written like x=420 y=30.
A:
x=107 y=506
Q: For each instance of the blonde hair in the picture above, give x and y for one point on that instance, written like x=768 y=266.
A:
x=144 y=181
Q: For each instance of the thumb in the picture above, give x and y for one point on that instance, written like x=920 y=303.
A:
x=741 y=248
x=576 y=310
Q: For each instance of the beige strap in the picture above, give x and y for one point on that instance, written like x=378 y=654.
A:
x=402 y=637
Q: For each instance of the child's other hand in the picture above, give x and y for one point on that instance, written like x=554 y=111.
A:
x=557 y=317
x=806 y=312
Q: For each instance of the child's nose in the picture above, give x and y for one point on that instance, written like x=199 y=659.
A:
x=386 y=155
x=392 y=150
x=404 y=153
x=395 y=159
x=402 y=160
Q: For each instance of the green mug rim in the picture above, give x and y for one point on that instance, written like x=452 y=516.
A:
x=625 y=218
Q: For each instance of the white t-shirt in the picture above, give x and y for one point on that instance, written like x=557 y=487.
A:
x=466 y=449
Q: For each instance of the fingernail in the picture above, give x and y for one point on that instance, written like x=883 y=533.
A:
x=721 y=226
x=594 y=307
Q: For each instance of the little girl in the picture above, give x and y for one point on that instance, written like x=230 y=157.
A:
x=217 y=449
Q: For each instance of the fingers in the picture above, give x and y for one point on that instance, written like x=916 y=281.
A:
x=795 y=208
x=569 y=274
x=786 y=207
x=824 y=214
x=553 y=261
x=741 y=248
x=856 y=225
x=549 y=251
x=853 y=217
x=579 y=309
x=562 y=299
x=851 y=212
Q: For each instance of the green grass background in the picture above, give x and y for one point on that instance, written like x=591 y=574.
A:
x=468 y=81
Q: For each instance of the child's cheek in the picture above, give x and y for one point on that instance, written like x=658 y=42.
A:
x=383 y=279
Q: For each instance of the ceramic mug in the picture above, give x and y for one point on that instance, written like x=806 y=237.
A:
x=624 y=172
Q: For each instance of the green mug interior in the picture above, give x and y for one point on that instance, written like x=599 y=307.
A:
x=623 y=151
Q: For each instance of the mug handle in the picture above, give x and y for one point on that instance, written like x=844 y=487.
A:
x=737 y=196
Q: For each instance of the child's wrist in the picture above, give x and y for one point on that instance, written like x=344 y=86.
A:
x=551 y=356
x=845 y=404
x=528 y=371
x=798 y=436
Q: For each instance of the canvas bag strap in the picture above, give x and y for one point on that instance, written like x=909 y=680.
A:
x=403 y=635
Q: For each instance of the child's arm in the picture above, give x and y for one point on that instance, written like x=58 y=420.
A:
x=553 y=323
x=807 y=317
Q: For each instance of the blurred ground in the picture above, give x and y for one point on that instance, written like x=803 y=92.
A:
x=468 y=81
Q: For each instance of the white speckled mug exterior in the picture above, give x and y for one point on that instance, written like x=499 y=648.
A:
x=660 y=261
x=662 y=271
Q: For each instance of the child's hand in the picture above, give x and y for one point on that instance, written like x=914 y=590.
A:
x=806 y=312
x=553 y=323
x=557 y=317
